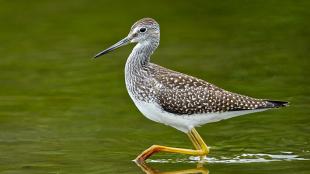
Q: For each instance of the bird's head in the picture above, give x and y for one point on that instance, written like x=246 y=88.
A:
x=144 y=30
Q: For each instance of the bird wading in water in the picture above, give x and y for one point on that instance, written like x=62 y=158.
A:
x=176 y=99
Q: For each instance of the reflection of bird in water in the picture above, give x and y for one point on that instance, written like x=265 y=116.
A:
x=175 y=99
x=149 y=170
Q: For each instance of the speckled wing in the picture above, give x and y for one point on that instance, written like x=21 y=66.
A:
x=183 y=94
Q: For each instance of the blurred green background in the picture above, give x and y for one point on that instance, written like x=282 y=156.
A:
x=62 y=112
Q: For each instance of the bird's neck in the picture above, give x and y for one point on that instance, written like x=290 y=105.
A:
x=140 y=55
x=136 y=69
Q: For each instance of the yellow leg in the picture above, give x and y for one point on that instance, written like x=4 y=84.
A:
x=200 y=141
x=201 y=148
x=194 y=141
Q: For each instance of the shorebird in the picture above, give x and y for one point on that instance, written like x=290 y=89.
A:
x=176 y=99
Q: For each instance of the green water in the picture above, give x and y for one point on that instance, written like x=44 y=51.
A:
x=61 y=112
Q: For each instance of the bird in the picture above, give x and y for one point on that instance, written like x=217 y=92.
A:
x=176 y=99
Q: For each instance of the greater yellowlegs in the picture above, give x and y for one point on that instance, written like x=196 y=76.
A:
x=175 y=99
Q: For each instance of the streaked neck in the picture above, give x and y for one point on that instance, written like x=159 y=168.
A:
x=141 y=53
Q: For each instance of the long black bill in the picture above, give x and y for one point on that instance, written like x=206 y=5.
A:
x=122 y=42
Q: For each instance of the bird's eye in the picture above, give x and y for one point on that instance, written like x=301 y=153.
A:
x=142 y=29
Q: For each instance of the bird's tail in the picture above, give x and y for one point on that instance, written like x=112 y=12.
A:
x=277 y=104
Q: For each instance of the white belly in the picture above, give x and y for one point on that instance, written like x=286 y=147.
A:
x=184 y=123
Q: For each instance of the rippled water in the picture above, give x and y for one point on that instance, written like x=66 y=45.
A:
x=61 y=112
x=243 y=158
